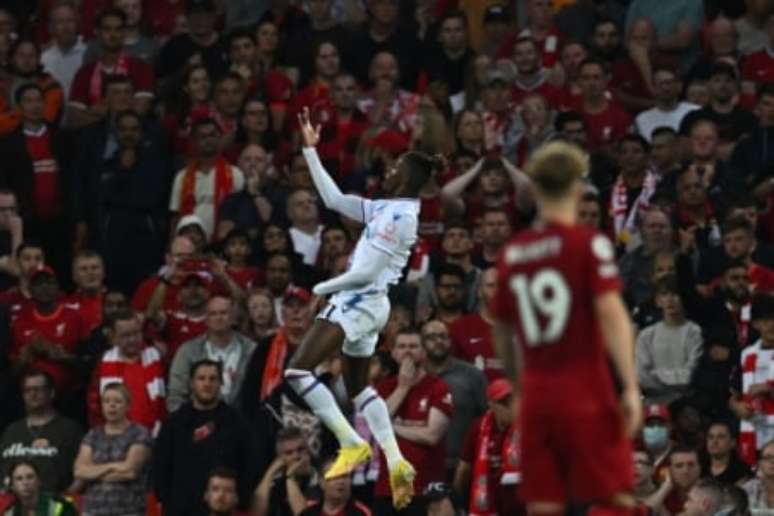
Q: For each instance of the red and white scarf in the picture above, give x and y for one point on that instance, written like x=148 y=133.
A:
x=757 y=368
x=482 y=494
x=224 y=185
x=111 y=370
x=97 y=75
x=625 y=217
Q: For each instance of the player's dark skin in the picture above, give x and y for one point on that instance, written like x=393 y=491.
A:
x=325 y=337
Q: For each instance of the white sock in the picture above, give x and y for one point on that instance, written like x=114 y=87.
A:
x=324 y=406
x=376 y=414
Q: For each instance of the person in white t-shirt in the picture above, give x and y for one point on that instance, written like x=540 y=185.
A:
x=359 y=308
x=669 y=110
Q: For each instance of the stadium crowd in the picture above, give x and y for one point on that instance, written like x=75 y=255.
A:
x=160 y=236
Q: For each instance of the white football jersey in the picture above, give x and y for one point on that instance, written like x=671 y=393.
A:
x=391 y=227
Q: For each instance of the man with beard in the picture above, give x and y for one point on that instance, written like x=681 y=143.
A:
x=466 y=383
x=450 y=293
x=730 y=306
x=204 y=433
x=732 y=121
x=606 y=41
x=530 y=77
x=221 y=495
x=739 y=242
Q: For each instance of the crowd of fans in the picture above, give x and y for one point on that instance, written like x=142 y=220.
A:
x=160 y=235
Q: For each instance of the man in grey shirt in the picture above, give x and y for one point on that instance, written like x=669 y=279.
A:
x=466 y=383
x=221 y=343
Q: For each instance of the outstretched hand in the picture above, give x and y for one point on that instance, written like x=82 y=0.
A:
x=310 y=134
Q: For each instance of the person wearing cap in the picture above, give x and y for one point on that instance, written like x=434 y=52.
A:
x=86 y=104
x=440 y=500
x=501 y=121
x=221 y=343
x=47 y=335
x=137 y=366
x=264 y=374
x=496 y=30
x=466 y=383
x=488 y=470
x=732 y=120
x=191 y=226
x=656 y=437
x=200 y=44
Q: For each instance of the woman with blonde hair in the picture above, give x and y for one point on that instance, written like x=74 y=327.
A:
x=113 y=458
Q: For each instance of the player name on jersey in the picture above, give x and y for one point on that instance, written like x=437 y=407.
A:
x=517 y=253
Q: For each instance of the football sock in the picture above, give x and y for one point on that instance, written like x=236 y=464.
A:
x=375 y=412
x=324 y=406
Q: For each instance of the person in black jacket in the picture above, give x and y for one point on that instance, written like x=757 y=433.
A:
x=753 y=157
x=34 y=167
x=201 y=435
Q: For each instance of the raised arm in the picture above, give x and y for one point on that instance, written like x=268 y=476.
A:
x=451 y=193
x=351 y=206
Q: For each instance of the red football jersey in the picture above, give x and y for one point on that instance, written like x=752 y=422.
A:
x=548 y=277
x=14 y=301
x=472 y=341
x=431 y=391
x=607 y=127
x=181 y=328
x=63 y=328
x=758 y=67
x=144 y=292
x=89 y=307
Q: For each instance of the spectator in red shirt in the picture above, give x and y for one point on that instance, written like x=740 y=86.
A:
x=317 y=93
x=542 y=29
x=29 y=257
x=34 y=159
x=387 y=104
x=472 y=333
x=605 y=120
x=135 y=365
x=89 y=277
x=758 y=66
x=573 y=53
x=420 y=406
x=342 y=130
x=47 y=335
x=489 y=462
x=530 y=77
x=177 y=326
x=87 y=94
x=180 y=249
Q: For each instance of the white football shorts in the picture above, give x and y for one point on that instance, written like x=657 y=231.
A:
x=362 y=316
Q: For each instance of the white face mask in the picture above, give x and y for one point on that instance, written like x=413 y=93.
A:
x=655 y=437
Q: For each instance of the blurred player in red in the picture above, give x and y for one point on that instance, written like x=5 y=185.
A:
x=558 y=297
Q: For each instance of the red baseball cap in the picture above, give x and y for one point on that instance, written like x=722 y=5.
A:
x=42 y=270
x=657 y=411
x=298 y=293
x=499 y=390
